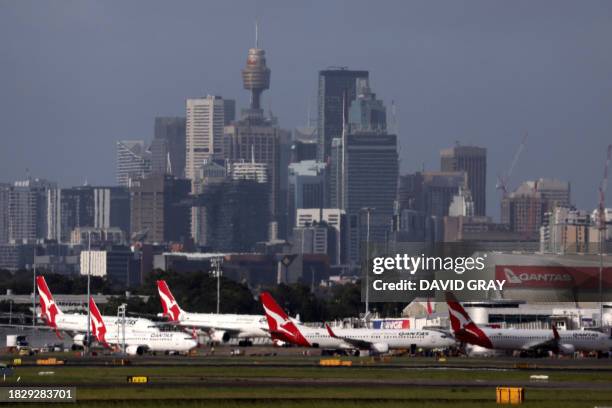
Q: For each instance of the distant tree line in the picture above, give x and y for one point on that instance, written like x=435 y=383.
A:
x=197 y=292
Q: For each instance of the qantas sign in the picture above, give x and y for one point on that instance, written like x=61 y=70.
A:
x=519 y=276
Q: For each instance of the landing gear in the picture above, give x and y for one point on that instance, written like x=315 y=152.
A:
x=245 y=343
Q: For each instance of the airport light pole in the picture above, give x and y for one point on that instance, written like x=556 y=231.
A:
x=121 y=318
x=34 y=287
x=87 y=341
x=368 y=211
x=216 y=265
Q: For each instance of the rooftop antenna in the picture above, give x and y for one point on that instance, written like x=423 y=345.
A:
x=256 y=34
x=253 y=154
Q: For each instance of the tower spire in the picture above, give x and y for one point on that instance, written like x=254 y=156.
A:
x=256 y=34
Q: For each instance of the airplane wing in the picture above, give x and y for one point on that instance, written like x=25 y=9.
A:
x=550 y=344
x=360 y=344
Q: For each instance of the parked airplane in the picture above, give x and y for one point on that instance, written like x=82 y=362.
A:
x=74 y=323
x=221 y=327
x=138 y=342
x=374 y=340
x=527 y=340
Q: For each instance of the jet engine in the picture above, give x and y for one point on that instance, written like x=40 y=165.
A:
x=220 y=336
x=135 y=350
x=79 y=340
x=380 y=348
x=567 y=349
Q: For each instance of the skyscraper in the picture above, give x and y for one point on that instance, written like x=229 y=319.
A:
x=204 y=129
x=160 y=209
x=133 y=160
x=27 y=212
x=369 y=179
x=67 y=209
x=5 y=190
x=169 y=146
x=306 y=187
x=235 y=214
x=525 y=208
x=334 y=84
x=112 y=208
x=367 y=113
x=430 y=193
x=472 y=160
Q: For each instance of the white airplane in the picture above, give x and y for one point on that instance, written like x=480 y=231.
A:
x=221 y=327
x=528 y=340
x=74 y=323
x=375 y=340
x=138 y=342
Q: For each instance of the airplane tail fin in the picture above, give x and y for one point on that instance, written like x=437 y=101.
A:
x=171 y=309
x=98 y=328
x=462 y=325
x=280 y=325
x=330 y=331
x=555 y=332
x=48 y=309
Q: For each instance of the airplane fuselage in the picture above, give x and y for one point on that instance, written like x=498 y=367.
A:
x=394 y=339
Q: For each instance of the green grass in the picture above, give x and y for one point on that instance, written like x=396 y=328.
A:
x=187 y=374
x=190 y=386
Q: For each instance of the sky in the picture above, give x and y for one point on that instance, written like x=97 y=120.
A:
x=76 y=76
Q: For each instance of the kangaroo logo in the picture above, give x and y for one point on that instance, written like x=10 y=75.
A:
x=98 y=328
x=280 y=323
x=171 y=308
x=49 y=309
x=511 y=276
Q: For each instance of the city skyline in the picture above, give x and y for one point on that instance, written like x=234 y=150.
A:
x=547 y=76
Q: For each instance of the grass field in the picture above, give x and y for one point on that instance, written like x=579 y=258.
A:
x=258 y=384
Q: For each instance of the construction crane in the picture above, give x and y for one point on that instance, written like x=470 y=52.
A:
x=502 y=181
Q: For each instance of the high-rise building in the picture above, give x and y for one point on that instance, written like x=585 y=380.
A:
x=525 y=208
x=334 y=86
x=304 y=145
x=133 y=161
x=229 y=111
x=5 y=189
x=160 y=209
x=112 y=208
x=27 y=212
x=306 y=187
x=330 y=217
x=431 y=193
x=472 y=160
x=235 y=215
x=367 y=113
x=204 y=129
x=168 y=147
x=568 y=230
x=369 y=179
x=67 y=209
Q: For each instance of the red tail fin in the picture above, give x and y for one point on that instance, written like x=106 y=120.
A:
x=48 y=309
x=463 y=327
x=98 y=328
x=281 y=327
x=169 y=305
x=555 y=332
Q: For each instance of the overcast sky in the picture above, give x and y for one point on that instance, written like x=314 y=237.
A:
x=75 y=76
